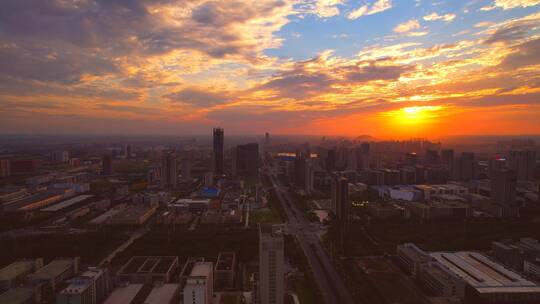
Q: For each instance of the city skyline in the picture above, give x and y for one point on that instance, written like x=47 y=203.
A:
x=389 y=69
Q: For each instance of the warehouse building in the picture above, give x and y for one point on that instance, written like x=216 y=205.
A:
x=149 y=269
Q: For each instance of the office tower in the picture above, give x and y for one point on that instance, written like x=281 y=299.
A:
x=271 y=264
x=447 y=158
x=186 y=169
x=523 y=163
x=468 y=163
x=352 y=159
x=411 y=159
x=59 y=157
x=128 y=151
x=503 y=186
x=432 y=157
x=106 y=164
x=364 y=156
x=331 y=160
x=168 y=170
x=300 y=171
x=309 y=178
x=340 y=201
x=199 y=288
x=218 y=151
x=495 y=164
x=5 y=168
x=267 y=139
x=246 y=160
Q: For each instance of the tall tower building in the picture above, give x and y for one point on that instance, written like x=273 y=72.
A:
x=447 y=157
x=503 y=186
x=271 y=264
x=246 y=160
x=468 y=163
x=432 y=157
x=218 y=151
x=523 y=162
x=106 y=164
x=168 y=170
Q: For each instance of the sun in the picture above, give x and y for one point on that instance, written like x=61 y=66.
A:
x=416 y=114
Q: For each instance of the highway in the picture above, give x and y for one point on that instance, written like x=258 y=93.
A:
x=330 y=283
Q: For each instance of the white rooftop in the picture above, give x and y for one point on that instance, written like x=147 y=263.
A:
x=482 y=273
x=201 y=269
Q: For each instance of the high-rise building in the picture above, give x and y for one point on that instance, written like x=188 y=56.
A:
x=128 y=151
x=503 y=186
x=330 y=160
x=186 y=169
x=106 y=164
x=432 y=157
x=411 y=159
x=300 y=171
x=59 y=157
x=523 y=162
x=199 y=288
x=363 y=160
x=5 y=167
x=495 y=164
x=341 y=202
x=218 y=151
x=447 y=158
x=469 y=166
x=271 y=264
x=168 y=170
x=246 y=160
x=309 y=177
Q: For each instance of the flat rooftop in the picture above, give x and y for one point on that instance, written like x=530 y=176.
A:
x=124 y=295
x=16 y=268
x=22 y=203
x=162 y=294
x=482 y=273
x=67 y=203
x=17 y=295
x=53 y=269
x=201 y=269
x=148 y=265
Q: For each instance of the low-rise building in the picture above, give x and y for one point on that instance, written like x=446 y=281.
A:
x=133 y=216
x=53 y=274
x=90 y=287
x=149 y=269
x=440 y=281
x=224 y=271
x=164 y=294
x=411 y=257
x=21 y=295
x=15 y=273
x=124 y=294
x=199 y=284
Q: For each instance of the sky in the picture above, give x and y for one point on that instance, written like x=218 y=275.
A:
x=386 y=68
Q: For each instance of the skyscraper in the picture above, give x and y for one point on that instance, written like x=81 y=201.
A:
x=331 y=160
x=469 y=166
x=523 y=162
x=300 y=171
x=447 y=158
x=271 y=264
x=432 y=157
x=340 y=201
x=411 y=158
x=168 y=170
x=218 y=151
x=503 y=186
x=246 y=160
x=106 y=163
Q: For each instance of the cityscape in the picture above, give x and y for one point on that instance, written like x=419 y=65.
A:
x=270 y=152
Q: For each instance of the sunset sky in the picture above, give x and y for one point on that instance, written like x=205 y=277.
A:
x=386 y=68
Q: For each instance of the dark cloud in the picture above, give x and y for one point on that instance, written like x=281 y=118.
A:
x=512 y=32
x=299 y=84
x=127 y=108
x=198 y=98
x=525 y=54
x=374 y=72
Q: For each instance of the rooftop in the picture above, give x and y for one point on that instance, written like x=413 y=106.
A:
x=67 y=203
x=148 y=265
x=201 y=269
x=123 y=294
x=53 y=269
x=16 y=268
x=17 y=295
x=482 y=273
x=162 y=294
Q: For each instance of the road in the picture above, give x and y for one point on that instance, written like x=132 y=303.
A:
x=133 y=237
x=330 y=283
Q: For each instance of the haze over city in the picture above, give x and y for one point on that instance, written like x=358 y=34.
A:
x=389 y=69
